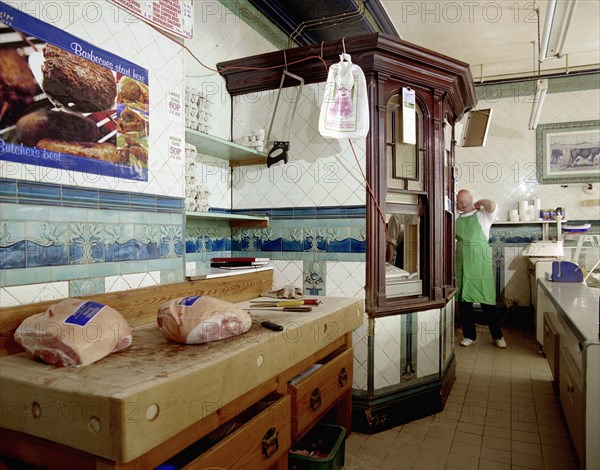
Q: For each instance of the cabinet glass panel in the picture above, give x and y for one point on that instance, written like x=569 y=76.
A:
x=403 y=247
x=404 y=161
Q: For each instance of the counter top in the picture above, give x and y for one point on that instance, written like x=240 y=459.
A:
x=578 y=305
x=131 y=401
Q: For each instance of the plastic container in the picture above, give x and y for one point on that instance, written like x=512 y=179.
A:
x=326 y=438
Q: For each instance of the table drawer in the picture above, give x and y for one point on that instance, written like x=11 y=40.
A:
x=571 y=399
x=316 y=394
x=258 y=444
x=552 y=344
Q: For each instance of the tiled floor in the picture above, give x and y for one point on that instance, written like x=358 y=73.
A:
x=502 y=413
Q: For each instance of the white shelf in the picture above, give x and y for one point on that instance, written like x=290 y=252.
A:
x=221 y=148
x=531 y=222
x=224 y=216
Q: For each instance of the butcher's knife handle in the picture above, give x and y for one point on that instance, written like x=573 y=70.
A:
x=272 y=326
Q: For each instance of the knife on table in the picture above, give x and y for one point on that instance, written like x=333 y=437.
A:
x=279 y=309
x=285 y=303
x=269 y=325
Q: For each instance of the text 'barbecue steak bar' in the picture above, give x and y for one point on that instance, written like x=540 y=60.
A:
x=72 y=79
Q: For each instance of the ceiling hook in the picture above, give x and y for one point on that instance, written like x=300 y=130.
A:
x=321 y=56
x=344 y=45
x=285 y=60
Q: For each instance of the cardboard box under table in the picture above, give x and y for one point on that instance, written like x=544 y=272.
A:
x=130 y=402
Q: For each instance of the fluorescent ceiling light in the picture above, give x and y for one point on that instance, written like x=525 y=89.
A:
x=559 y=14
x=538 y=101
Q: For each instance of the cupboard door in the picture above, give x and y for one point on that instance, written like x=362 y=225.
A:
x=258 y=444
x=319 y=392
x=572 y=399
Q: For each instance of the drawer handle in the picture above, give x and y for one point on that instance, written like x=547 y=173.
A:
x=270 y=443
x=315 y=399
x=343 y=377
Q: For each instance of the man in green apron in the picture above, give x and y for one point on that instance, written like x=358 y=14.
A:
x=474 y=272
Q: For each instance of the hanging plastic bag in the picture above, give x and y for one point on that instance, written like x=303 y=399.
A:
x=345 y=108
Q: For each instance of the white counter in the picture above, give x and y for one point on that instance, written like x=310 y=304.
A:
x=578 y=306
x=576 y=309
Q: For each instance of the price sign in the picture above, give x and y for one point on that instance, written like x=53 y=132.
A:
x=176 y=148
x=175 y=16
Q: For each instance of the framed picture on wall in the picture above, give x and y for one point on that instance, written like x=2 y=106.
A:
x=568 y=152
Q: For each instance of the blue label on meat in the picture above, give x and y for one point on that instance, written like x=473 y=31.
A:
x=84 y=313
x=189 y=301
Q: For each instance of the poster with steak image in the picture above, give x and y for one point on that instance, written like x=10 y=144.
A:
x=67 y=104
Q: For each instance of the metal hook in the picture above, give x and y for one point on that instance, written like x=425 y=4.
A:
x=285 y=59
x=321 y=56
x=344 y=45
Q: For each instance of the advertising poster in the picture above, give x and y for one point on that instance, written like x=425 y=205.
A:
x=67 y=104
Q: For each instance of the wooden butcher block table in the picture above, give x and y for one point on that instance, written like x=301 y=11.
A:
x=151 y=400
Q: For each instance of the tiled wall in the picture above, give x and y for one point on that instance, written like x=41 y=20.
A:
x=505 y=168
x=58 y=241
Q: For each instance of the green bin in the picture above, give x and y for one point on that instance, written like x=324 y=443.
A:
x=327 y=439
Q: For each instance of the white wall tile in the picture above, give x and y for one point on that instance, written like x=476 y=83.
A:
x=33 y=293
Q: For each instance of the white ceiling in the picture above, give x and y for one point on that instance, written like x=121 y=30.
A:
x=497 y=37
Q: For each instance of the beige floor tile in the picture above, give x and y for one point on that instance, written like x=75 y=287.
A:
x=409 y=439
x=497 y=455
x=525 y=426
x=526 y=448
x=437 y=444
x=470 y=428
x=462 y=462
x=524 y=436
x=441 y=432
x=388 y=435
x=527 y=461
x=496 y=443
x=465 y=449
x=558 y=453
x=376 y=446
x=468 y=438
x=429 y=459
x=493 y=431
x=552 y=464
x=491 y=465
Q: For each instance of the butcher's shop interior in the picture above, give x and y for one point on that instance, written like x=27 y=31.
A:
x=272 y=234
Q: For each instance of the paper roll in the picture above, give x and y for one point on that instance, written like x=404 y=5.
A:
x=523 y=208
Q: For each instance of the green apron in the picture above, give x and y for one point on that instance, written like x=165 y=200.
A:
x=474 y=272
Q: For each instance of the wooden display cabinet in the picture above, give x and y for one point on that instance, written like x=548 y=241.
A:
x=413 y=182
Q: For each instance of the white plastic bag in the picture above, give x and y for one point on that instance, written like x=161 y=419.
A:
x=345 y=107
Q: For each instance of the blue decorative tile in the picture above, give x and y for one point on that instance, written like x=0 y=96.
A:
x=358 y=246
x=53 y=255
x=90 y=286
x=113 y=199
x=13 y=256
x=169 y=204
x=87 y=246
x=272 y=245
x=8 y=190
x=38 y=192
x=142 y=202
x=339 y=246
x=131 y=250
x=80 y=197
x=314 y=278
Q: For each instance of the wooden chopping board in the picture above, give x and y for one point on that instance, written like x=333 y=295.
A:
x=133 y=400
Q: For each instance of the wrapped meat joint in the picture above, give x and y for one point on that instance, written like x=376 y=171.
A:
x=201 y=319
x=74 y=332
